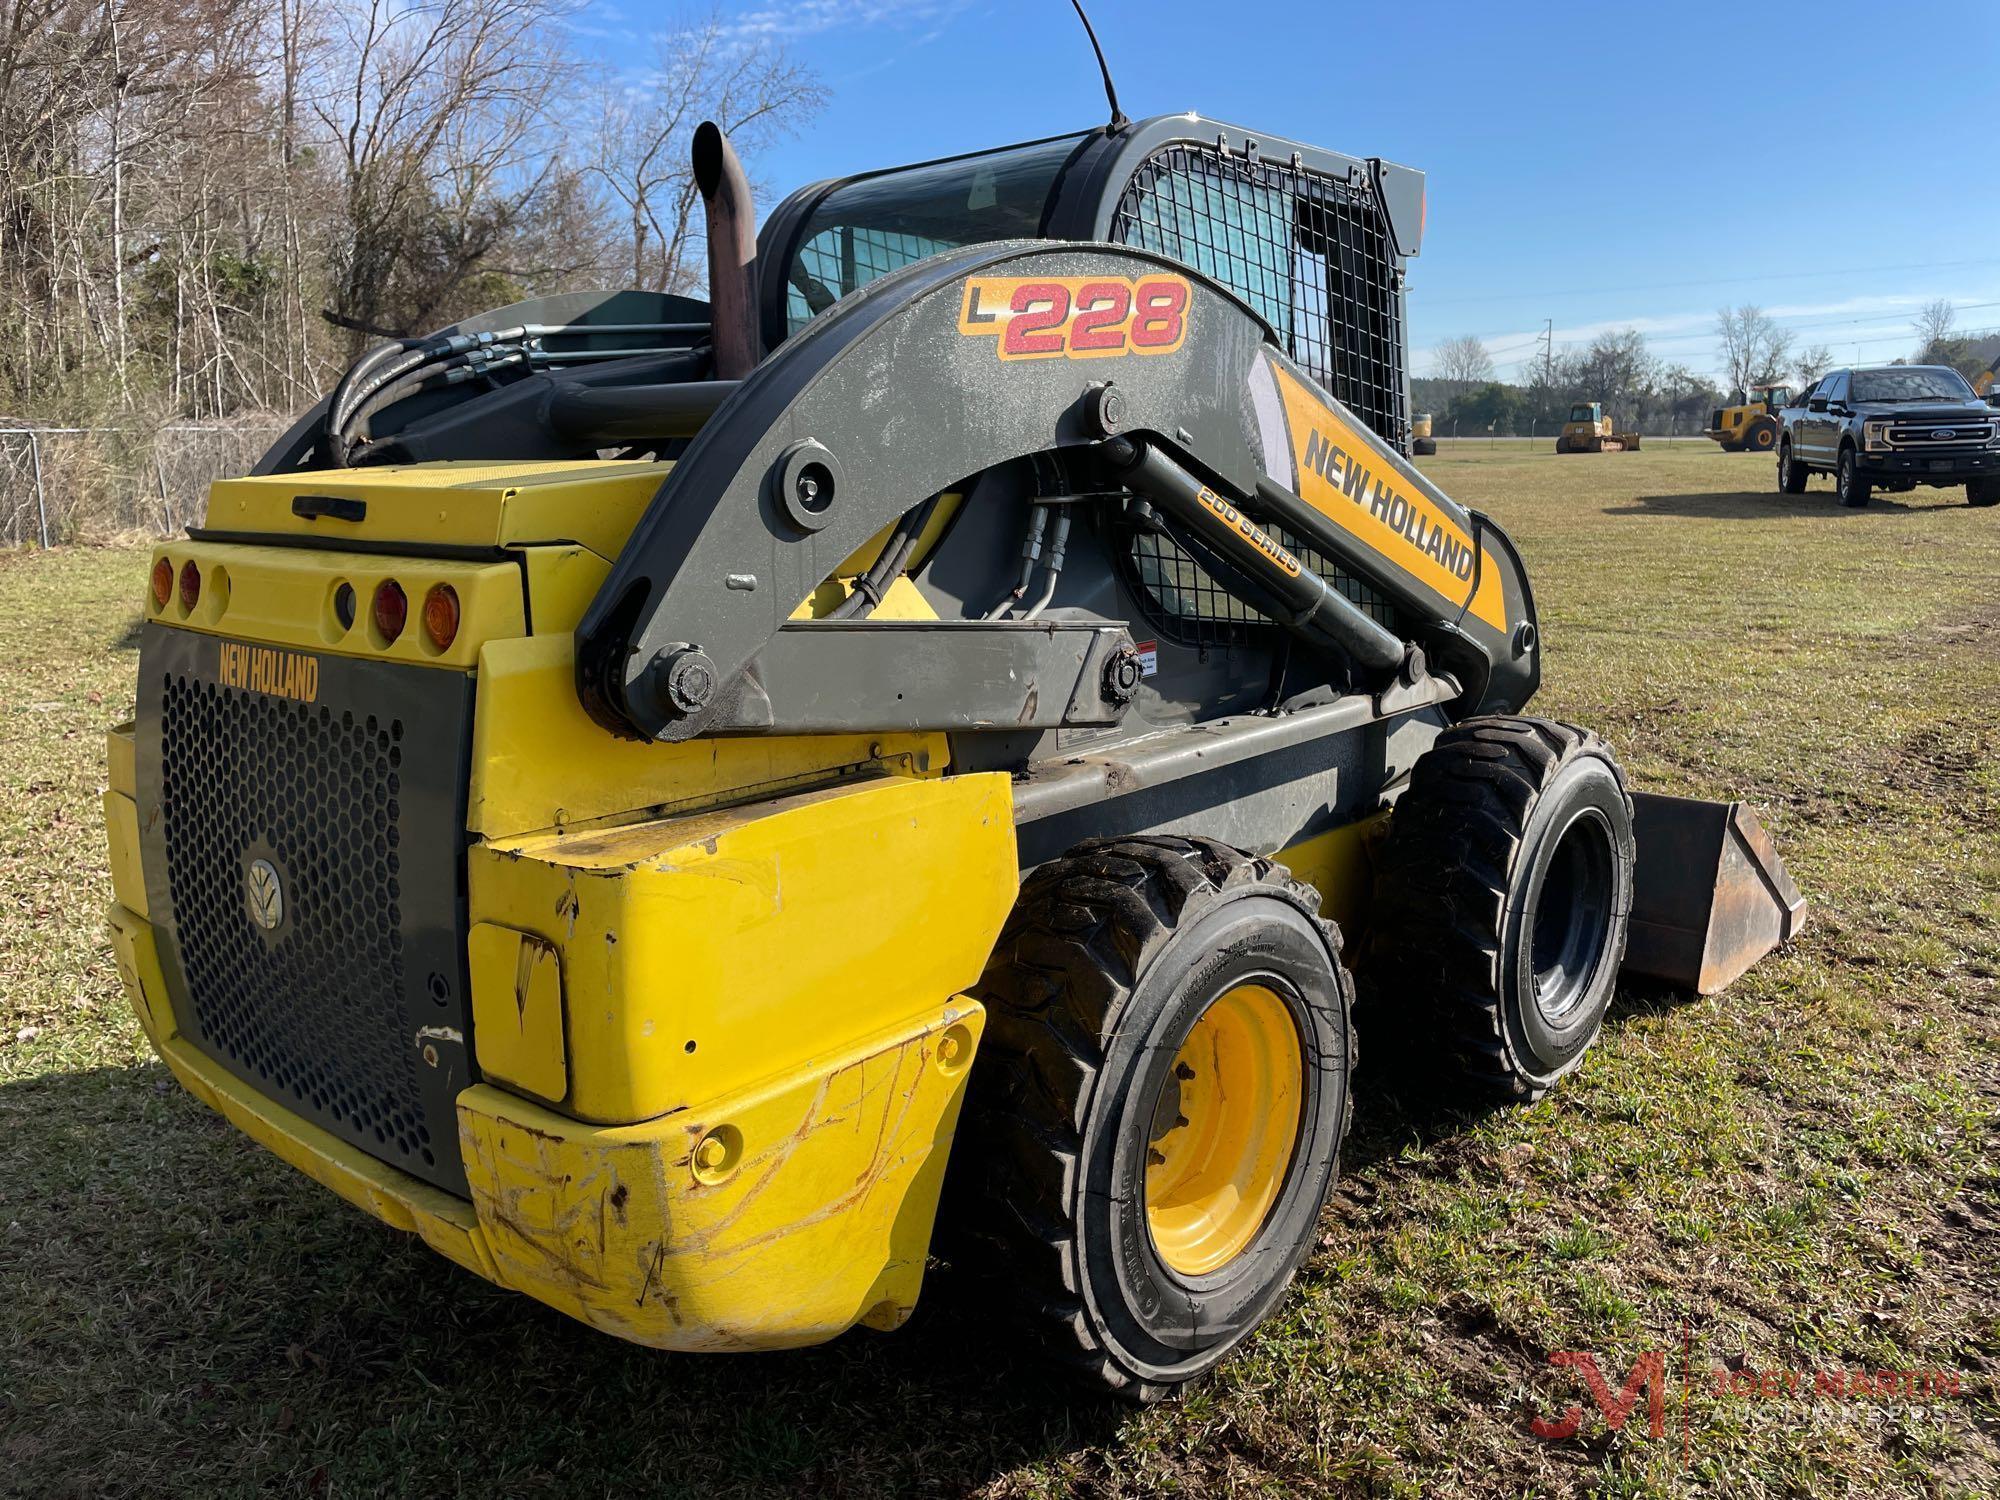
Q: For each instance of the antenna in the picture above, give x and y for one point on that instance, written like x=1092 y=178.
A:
x=1118 y=120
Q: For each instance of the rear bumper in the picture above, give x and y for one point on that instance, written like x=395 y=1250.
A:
x=821 y=1186
x=1948 y=468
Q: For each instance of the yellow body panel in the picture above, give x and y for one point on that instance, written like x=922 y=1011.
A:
x=540 y=762
x=775 y=1218
x=453 y=504
x=1340 y=865
x=284 y=596
x=702 y=954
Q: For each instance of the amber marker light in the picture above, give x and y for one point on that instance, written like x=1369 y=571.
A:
x=441 y=615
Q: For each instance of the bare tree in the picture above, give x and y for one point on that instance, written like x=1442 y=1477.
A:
x=1933 y=326
x=1814 y=362
x=1755 y=350
x=1463 y=361
x=637 y=155
x=441 y=115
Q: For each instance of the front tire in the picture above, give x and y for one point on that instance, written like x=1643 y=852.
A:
x=1156 y=1118
x=1983 y=492
x=1503 y=898
x=1848 y=481
x=1792 y=474
x=1763 y=435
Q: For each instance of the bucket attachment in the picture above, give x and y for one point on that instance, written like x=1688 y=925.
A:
x=1711 y=896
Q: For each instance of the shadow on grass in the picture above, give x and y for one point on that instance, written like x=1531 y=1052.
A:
x=1747 y=505
x=1404 y=1096
x=199 y=1318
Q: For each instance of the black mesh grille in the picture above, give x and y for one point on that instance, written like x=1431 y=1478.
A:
x=1310 y=252
x=1182 y=601
x=314 y=1009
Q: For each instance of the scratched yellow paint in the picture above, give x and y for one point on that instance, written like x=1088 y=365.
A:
x=822 y=1220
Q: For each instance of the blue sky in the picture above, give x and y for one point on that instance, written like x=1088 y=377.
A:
x=1603 y=166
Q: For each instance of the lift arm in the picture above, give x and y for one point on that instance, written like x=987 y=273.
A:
x=981 y=356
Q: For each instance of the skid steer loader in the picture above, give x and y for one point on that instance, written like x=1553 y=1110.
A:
x=648 y=794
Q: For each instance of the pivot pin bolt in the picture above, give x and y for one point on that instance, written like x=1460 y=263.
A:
x=690 y=680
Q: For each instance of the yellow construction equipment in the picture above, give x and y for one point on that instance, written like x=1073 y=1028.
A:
x=1752 y=424
x=1422 y=444
x=653 y=796
x=1590 y=430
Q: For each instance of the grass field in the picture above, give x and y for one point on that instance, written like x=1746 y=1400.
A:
x=1797 y=1175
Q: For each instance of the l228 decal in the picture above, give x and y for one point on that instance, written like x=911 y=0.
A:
x=1077 y=317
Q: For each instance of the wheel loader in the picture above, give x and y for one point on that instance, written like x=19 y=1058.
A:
x=1751 y=425
x=1589 y=430
x=1422 y=444
x=651 y=795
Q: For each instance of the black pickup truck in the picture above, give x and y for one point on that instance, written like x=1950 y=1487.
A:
x=1891 y=427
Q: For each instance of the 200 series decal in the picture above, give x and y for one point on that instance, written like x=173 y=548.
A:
x=267 y=669
x=1077 y=317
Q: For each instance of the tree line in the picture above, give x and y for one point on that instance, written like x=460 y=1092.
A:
x=208 y=206
x=1643 y=392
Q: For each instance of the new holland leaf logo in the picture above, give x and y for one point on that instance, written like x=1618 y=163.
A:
x=265 y=894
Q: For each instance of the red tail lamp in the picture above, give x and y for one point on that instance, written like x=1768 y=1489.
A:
x=190 y=585
x=441 y=615
x=163 y=583
x=392 y=608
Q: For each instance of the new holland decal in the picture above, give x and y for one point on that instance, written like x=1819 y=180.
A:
x=269 y=670
x=1077 y=317
x=1342 y=476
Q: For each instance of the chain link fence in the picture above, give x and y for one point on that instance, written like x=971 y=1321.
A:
x=66 y=484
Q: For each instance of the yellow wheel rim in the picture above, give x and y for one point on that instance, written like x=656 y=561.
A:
x=1224 y=1129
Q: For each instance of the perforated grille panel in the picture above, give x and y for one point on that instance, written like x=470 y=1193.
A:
x=1310 y=252
x=313 y=1009
x=312 y=915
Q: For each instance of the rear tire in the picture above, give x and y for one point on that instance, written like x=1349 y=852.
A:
x=1763 y=435
x=1792 y=474
x=1135 y=979
x=1848 y=482
x=1983 y=492
x=1503 y=897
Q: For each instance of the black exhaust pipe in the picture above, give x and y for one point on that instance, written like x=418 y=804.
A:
x=732 y=252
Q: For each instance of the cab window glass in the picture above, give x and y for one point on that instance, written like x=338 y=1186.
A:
x=880 y=224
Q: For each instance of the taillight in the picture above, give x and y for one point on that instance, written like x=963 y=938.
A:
x=343 y=605
x=163 y=583
x=441 y=615
x=392 y=608
x=190 y=585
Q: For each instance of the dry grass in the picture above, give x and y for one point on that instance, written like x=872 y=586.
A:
x=1799 y=1174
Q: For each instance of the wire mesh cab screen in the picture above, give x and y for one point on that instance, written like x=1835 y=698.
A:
x=869 y=227
x=1312 y=255
x=1309 y=252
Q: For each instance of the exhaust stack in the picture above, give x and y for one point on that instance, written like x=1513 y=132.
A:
x=732 y=252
